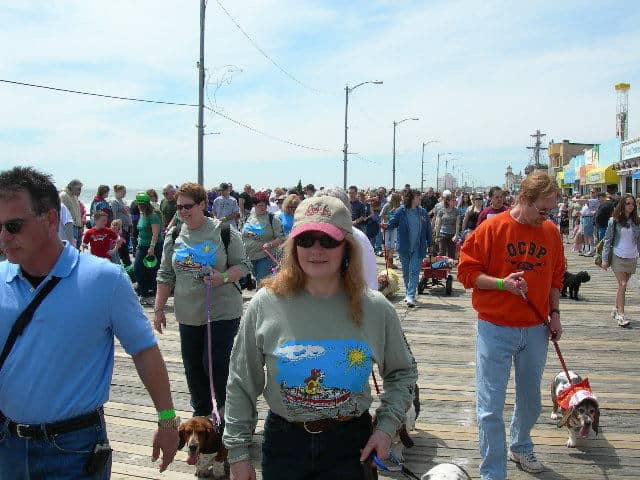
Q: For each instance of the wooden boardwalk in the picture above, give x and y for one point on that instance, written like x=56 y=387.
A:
x=442 y=335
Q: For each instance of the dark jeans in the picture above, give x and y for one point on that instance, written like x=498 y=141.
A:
x=447 y=246
x=123 y=251
x=146 y=277
x=291 y=453
x=62 y=457
x=195 y=357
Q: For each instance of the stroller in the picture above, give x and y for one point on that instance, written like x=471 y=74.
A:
x=434 y=271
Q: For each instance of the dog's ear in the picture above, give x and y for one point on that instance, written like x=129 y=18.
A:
x=596 y=421
x=212 y=441
x=182 y=435
x=565 y=418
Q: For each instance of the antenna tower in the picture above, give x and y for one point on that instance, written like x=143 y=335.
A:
x=622 y=110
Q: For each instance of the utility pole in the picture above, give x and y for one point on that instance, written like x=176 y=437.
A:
x=346 y=128
x=201 y=97
x=347 y=91
x=422 y=163
x=393 y=168
x=438 y=174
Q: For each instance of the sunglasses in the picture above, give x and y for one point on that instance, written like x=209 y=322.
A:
x=14 y=226
x=186 y=206
x=308 y=240
x=545 y=212
x=630 y=203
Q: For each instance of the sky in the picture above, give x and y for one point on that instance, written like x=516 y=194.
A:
x=481 y=76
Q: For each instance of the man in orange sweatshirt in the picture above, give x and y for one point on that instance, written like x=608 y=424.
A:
x=514 y=262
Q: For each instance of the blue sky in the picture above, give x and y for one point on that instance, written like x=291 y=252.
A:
x=482 y=76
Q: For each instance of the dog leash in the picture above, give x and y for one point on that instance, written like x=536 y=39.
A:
x=554 y=333
x=398 y=466
x=209 y=348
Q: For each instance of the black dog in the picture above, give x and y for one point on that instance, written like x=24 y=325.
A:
x=572 y=281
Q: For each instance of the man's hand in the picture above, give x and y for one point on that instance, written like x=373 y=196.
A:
x=150 y=252
x=515 y=284
x=243 y=471
x=379 y=444
x=159 y=320
x=555 y=327
x=165 y=439
x=604 y=265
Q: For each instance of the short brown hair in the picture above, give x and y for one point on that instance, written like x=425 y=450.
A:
x=99 y=214
x=538 y=185
x=194 y=191
x=117 y=187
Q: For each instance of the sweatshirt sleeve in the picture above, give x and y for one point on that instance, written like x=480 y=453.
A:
x=166 y=274
x=399 y=373
x=237 y=254
x=473 y=258
x=246 y=382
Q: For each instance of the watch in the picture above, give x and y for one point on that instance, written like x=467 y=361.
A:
x=225 y=277
x=169 y=423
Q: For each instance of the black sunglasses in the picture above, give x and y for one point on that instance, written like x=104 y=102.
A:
x=13 y=226
x=186 y=206
x=308 y=240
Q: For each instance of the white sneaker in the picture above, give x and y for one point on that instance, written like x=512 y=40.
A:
x=527 y=461
x=411 y=302
x=622 y=320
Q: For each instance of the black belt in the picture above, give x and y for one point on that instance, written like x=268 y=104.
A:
x=323 y=424
x=38 y=432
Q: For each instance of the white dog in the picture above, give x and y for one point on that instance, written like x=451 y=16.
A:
x=446 y=471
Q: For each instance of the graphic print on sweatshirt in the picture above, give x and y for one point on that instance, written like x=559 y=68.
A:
x=194 y=258
x=526 y=255
x=322 y=377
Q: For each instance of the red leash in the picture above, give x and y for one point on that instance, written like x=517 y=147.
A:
x=554 y=333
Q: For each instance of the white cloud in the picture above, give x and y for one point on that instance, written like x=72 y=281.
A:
x=297 y=353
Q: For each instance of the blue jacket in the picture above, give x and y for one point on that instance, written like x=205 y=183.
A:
x=399 y=220
x=609 y=235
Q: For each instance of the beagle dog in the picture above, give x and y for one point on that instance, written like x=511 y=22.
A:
x=582 y=413
x=204 y=439
x=446 y=471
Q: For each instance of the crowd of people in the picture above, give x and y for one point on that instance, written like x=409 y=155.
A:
x=312 y=255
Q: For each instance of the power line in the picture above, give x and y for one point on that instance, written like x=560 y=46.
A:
x=164 y=102
x=91 y=94
x=266 y=55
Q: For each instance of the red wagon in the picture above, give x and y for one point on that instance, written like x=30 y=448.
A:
x=434 y=271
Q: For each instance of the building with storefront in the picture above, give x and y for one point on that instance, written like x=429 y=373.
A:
x=628 y=168
x=595 y=168
x=560 y=154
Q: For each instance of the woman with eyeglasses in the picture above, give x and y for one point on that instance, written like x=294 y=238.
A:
x=262 y=231
x=202 y=272
x=307 y=343
x=620 y=250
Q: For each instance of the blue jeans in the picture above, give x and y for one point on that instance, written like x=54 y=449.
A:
x=411 y=267
x=290 y=453
x=262 y=268
x=146 y=277
x=601 y=232
x=497 y=348
x=377 y=245
x=77 y=234
x=62 y=457
x=195 y=358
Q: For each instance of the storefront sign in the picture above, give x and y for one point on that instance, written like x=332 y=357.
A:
x=595 y=177
x=631 y=149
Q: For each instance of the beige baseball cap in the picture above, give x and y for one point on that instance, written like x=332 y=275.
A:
x=322 y=214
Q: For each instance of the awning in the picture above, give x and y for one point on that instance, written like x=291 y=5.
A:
x=560 y=178
x=601 y=176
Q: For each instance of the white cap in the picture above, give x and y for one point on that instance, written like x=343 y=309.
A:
x=446 y=193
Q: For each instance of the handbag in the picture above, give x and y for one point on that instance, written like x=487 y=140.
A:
x=25 y=318
x=597 y=259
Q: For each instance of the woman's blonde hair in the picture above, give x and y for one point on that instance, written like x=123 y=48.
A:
x=291 y=278
x=116 y=223
x=395 y=200
x=288 y=200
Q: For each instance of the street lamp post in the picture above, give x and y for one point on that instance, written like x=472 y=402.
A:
x=348 y=90
x=393 y=170
x=422 y=163
x=438 y=171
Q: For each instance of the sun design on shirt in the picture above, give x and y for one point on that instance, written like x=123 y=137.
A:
x=355 y=357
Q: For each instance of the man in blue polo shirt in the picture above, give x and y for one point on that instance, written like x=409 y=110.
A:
x=56 y=376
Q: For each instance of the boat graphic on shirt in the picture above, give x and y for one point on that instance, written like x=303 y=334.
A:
x=320 y=378
x=194 y=257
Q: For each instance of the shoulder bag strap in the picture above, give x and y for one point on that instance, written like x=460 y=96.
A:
x=25 y=318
